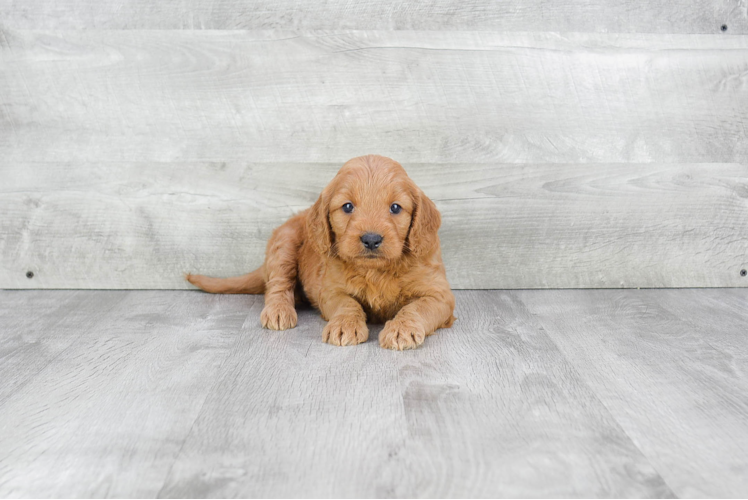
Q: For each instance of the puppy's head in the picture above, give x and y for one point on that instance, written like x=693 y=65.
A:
x=372 y=213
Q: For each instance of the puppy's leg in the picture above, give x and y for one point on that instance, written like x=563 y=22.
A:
x=281 y=264
x=417 y=320
x=346 y=319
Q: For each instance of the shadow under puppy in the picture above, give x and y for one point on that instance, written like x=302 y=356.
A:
x=367 y=249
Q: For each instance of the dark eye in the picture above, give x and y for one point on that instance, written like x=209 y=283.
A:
x=348 y=208
x=395 y=208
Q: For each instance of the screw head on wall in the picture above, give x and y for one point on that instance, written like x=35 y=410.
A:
x=723 y=27
x=29 y=274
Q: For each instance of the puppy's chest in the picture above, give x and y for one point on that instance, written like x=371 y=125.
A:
x=380 y=296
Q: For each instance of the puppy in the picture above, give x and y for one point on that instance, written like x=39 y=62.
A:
x=367 y=249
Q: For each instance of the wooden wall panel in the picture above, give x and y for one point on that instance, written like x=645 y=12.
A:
x=604 y=16
x=141 y=225
x=128 y=157
x=439 y=97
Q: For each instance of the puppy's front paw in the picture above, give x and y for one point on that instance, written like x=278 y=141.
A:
x=278 y=316
x=345 y=330
x=401 y=334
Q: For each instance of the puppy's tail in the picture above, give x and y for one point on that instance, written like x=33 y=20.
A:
x=253 y=282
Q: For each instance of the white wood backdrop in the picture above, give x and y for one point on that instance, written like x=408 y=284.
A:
x=132 y=151
x=622 y=16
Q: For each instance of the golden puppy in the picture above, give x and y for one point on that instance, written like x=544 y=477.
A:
x=367 y=249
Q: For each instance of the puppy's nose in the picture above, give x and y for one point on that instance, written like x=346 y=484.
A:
x=371 y=240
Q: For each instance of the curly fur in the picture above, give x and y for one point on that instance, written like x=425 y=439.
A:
x=402 y=283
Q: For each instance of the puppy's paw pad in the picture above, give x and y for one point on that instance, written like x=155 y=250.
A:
x=278 y=317
x=344 y=331
x=402 y=334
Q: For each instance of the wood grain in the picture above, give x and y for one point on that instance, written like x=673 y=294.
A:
x=672 y=368
x=27 y=345
x=292 y=416
x=106 y=415
x=141 y=225
x=597 y=393
x=365 y=422
x=490 y=405
x=607 y=16
x=574 y=160
x=417 y=96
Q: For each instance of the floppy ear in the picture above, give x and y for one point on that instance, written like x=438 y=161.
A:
x=423 y=237
x=318 y=223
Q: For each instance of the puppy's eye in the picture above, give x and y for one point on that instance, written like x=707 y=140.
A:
x=395 y=208
x=348 y=208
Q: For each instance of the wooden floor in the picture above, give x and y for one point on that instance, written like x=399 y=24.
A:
x=622 y=393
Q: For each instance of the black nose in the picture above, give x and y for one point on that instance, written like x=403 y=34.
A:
x=371 y=240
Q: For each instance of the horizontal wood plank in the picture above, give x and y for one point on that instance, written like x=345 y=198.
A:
x=694 y=16
x=141 y=225
x=421 y=96
x=131 y=157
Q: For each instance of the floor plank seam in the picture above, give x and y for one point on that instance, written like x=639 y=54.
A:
x=55 y=357
x=566 y=393
x=181 y=446
x=592 y=391
x=208 y=393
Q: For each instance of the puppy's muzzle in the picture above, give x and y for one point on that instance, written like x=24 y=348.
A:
x=371 y=241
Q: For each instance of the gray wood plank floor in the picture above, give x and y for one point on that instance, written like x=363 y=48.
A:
x=607 y=393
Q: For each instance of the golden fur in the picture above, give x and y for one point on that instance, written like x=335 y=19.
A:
x=319 y=255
